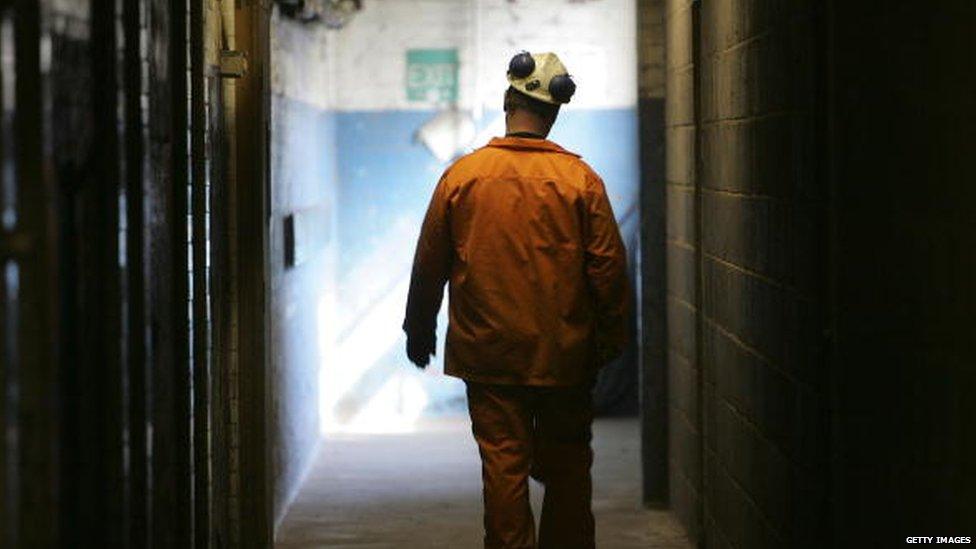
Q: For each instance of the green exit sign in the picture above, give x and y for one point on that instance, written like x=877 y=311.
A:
x=432 y=75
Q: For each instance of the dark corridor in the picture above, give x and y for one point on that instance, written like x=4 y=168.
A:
x=804 y=354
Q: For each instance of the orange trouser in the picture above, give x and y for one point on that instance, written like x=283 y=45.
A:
x=544 y=431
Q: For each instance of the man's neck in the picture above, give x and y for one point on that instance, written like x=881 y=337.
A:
x=525 y=128
x=521 y=123
x=526 y=134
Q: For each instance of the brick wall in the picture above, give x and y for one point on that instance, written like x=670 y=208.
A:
x=818 y=271
x=746 y=273
x=761 y=271
x=650 y=48
x=682 y=303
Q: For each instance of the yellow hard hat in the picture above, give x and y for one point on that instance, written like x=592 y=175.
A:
x=541 y=76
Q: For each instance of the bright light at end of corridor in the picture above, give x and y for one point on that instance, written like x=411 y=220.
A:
x=366 y=384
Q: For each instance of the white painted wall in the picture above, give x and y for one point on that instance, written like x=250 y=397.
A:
x=303 y=298
x=303 y=63
x=370 y=54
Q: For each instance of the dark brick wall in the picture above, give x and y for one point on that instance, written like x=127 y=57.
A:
x=746 y=274
x=761 y=261
x=820 y=276
x=681 y=251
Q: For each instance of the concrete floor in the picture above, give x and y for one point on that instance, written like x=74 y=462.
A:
x=424 y=490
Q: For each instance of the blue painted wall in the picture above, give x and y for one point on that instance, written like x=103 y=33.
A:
x=303 y=185
x=385 y=181
x=384 y=171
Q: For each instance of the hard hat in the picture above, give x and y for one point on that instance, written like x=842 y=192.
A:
x=541 y=76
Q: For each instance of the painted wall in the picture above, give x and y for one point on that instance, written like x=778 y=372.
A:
x=387 y=171
x=303 y=245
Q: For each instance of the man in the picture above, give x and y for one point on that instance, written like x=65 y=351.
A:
x=524 y=232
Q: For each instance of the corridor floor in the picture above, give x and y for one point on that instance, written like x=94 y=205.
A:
x=423 y=490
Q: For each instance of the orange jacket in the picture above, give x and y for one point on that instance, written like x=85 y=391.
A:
x=538 y=290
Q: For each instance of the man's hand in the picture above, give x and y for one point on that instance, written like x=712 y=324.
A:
x=420 y=347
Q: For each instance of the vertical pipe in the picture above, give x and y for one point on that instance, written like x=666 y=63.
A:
x=8 y=385
x=252 y=33
x=132 y=13
x=105 y=371
x=226 y=204
x=201 y=320
x=37 y=473
x=182 y=367
x=8 y=300
x=160 y=343
x=170 y=395
x=220 y=360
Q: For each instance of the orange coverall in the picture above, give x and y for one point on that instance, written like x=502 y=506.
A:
x=538 y=293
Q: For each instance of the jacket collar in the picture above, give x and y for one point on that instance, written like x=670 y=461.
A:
x=528 y=144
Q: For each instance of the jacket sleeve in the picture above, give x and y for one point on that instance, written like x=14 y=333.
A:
x=431 y=266
x=606 y=270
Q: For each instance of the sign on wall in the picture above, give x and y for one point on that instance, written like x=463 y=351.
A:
x=432 y=75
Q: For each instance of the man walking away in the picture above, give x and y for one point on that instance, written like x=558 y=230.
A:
x=524 y=232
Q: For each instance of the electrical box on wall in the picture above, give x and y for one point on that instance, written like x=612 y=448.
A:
x=233 y=64
x=289 y=236
x=304 y=233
